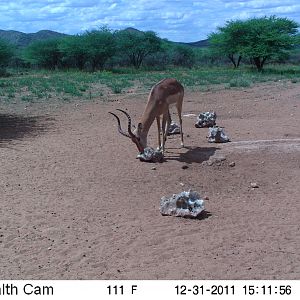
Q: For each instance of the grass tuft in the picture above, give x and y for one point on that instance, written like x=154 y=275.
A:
x=75 y=85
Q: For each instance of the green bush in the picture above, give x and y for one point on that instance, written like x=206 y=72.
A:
x=44 y=54
x=6 y=54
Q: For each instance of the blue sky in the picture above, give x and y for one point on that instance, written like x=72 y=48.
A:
x=176 y=20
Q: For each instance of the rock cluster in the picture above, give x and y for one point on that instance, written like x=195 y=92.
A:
x=217 y=135
x=173 y=128
x=185 y=204
x=151 y=155
x=206 y=119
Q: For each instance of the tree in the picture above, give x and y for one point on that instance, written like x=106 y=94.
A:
x=258 y=39
x=6 y=53
x=100 y=46
x=227 y=41
x=183 y=56
x=205 y=56
x=74 y=51
x=44 y=53
x=161 y=59
x=136 y=45
x=268 y=38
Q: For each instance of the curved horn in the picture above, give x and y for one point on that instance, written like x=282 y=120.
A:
x=119 y=125
x=129 y=121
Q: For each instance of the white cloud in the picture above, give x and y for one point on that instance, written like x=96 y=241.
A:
x=285 y=9
x=173 y=19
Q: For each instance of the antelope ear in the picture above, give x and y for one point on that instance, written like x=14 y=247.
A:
x=140 y=126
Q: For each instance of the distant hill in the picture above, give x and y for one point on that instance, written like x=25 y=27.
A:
x=21 y=39
x=133 y=30
x=198 y=44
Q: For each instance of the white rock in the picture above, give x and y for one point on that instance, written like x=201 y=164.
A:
x=151 y=155
x=206 y=119
x=254 y=185
x=185 y=204
x=216 y=135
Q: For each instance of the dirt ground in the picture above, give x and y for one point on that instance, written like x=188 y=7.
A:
x=75 y=203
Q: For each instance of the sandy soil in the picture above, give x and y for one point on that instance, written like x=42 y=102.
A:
x=75 y=203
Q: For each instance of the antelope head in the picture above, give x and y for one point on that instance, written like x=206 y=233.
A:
x=134 y=136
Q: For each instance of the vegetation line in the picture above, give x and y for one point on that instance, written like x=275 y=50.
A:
x=102 y=62
x=45 y=85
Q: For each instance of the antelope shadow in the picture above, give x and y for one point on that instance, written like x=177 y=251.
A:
x=17 y=127
x=193 y=155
